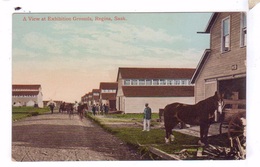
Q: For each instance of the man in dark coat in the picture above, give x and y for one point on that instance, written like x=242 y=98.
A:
x=147 y=118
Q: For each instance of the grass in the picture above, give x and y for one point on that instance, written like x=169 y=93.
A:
x=23 y=112
x=134 y=136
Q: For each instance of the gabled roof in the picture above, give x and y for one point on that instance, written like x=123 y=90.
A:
x=155 y=73
x=201 y=64
x=158 y=91
x=21 y=86
x=25 y=93
x=108 y=85
x=95 y=91
x=210 y=23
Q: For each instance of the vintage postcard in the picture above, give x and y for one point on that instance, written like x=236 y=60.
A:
x=164 y=82
x=172 y=85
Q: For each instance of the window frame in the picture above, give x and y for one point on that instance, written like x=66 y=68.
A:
x=243 y=30
x=148 y=82
x=224 y=36
x=127 y=82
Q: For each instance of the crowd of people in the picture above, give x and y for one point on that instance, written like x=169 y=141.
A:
x=97 y=109
x=100 y=109
x=80 y=108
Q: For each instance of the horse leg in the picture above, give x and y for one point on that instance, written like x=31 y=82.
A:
x=204 y=128
x=206 y=131
x=169 y=136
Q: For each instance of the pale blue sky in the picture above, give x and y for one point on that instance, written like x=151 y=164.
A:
x=70 y=58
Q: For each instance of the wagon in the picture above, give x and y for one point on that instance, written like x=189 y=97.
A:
x=233 y=119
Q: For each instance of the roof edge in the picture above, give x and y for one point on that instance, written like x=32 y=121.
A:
x=210 y=23
x=200 y=65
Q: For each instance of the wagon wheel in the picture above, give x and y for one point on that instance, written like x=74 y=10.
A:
x=236 y=127
x=236 y=133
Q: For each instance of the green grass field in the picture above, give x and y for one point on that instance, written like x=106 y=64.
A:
x=23 y=112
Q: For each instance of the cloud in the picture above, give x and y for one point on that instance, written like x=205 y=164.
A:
x=39 y=41
x=128 y=32
x=112 y=38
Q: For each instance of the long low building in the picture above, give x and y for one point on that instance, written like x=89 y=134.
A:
x=27 y=95
x=156 y=86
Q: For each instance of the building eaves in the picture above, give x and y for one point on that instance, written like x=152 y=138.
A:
x=210 y=23
x=200 y=65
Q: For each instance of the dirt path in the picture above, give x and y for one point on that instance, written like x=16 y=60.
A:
x=56 y=137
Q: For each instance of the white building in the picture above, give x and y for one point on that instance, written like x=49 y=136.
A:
x=156 y=86
x=27 y=95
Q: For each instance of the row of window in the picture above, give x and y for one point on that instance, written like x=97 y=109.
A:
x=25 y=96
x=108 y=91
x=25 y=89
x=225 y=33
x=95 y=94
x=151 y=82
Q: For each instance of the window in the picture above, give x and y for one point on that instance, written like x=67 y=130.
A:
x=148 y=82
x=183 y=82
x=170 y=82
x=225 y=39
x=189 y=82
x=134 y=82
x=127 y=82
x=155 y=81
x=95 y=94
x=243 y=30
x=177 y=82
x=163 y=81
x=141 y=82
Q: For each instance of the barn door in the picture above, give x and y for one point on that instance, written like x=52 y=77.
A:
x=210 y=88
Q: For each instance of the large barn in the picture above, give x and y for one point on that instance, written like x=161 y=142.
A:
x=27 y=95
x=156 y=86
x=223 y=66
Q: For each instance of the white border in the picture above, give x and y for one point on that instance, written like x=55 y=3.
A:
x=7 y=8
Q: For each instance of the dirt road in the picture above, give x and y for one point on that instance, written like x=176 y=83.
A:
x=56 y=137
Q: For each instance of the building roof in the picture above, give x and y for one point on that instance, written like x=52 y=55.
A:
x=158 y=91
x=108 y=96
x=21 y=86
x=155 y=73
x=108 y=85
x=95 y=91
x=210 y=23
x=200 y=66
x=25 y=93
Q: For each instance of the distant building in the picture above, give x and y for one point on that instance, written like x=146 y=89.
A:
x=156 y=86
x=27 y=95
x=84 y=99
x=95 y=96
x=108 y=94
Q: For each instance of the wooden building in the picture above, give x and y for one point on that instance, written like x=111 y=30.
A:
x=156 y=86
x=223 y=66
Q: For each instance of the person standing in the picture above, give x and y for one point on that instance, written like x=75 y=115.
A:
x=106 y=108
x=52 y=105
x=147 y=117
x=94 y=109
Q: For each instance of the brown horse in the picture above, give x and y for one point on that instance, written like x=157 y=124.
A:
x=201 y=114
x=81 y=110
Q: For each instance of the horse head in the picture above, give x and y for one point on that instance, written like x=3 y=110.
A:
x=219 y=101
